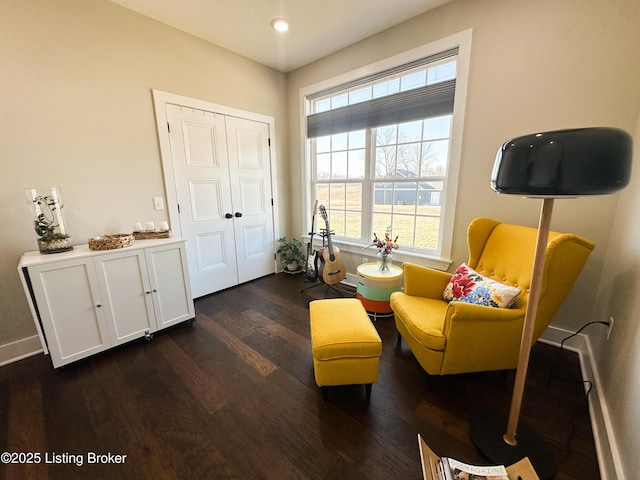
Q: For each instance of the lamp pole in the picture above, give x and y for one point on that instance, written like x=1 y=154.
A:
x=558 y=164
x=529 y=321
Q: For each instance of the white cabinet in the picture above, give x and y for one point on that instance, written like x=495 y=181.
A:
x=87 y=301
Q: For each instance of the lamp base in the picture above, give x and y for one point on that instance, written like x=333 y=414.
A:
x=487 y=433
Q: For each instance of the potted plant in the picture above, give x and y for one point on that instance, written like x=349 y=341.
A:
x=291 y=254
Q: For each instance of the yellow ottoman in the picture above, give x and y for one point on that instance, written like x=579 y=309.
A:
x=346 y=346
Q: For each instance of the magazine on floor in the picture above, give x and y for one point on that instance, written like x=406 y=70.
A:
x=451 y=469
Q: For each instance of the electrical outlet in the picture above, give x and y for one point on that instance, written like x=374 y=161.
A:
x=158 y=204
x=610 y=327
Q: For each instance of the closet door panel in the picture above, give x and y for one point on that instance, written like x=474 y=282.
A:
x=250 y=175
x=201 y=177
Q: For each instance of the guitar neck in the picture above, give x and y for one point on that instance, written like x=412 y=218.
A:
x=332 y=255
x=313 y=223
x=325 y=217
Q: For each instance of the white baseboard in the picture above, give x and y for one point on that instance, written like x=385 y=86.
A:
x=609 y=460
x=14 y=351
x=351 y=280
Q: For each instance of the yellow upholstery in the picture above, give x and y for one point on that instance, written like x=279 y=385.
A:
x=458 y=337
x=346 y=346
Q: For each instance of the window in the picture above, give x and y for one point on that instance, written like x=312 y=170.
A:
x=382 y=151
x=403 y=167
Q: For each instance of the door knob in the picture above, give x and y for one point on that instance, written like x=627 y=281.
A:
x=228 y=215
x=238 y=214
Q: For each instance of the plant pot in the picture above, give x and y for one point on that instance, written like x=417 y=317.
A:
x=292 y=267
x=55 y=245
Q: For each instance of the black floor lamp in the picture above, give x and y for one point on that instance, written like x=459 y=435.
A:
x=549 y=165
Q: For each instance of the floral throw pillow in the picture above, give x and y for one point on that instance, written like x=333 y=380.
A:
x=469 y=286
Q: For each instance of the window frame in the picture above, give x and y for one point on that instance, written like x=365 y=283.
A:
x=437 y=259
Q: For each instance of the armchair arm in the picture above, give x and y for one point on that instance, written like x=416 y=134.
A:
x=421 y=281
x=468 y=313
x=481 y=338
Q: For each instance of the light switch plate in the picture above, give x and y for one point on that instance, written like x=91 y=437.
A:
x=158 y=204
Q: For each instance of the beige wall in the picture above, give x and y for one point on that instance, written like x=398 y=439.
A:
x=77 y=113
x=535 y=66
x=619 y=358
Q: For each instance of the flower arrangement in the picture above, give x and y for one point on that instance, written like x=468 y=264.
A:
x=385 y=248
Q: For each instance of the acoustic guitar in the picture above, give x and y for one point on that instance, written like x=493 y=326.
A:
x=312 y=266
x=331 y=268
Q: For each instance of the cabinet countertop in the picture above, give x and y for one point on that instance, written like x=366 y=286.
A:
x=80 y=251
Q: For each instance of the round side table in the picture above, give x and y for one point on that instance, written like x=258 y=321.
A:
x=375 y=288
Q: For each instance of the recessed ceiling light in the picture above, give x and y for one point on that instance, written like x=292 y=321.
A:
x=280 y=24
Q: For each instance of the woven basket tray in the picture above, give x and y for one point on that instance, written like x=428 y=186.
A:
x=110 y=242
x=149 y=234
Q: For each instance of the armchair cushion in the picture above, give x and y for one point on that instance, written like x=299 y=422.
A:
x=468 y=286
x=428 y=315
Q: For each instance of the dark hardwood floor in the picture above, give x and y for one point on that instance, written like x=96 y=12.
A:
x=232 y=395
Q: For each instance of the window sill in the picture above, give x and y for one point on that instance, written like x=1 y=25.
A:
x=399 y=256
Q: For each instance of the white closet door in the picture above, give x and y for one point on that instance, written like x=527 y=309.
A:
x=221 y=172
x=201 y=175
x=250 y=176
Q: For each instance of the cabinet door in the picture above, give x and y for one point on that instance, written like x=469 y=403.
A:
x=69 y=303
x=169 y=278
x=126 y=293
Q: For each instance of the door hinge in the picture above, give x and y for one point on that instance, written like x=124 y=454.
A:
x=178 y=209
x=168 y=127
x=275 y=256
x=272 y=202
x=269 y=141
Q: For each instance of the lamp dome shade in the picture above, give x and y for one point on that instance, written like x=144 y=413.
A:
x=564 y=163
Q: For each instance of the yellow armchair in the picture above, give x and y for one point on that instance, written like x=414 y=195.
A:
x=456 y=337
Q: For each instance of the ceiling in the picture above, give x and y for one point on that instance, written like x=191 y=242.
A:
x=318 y=27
